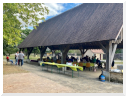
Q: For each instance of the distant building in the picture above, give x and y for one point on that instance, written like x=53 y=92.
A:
x=93 y=52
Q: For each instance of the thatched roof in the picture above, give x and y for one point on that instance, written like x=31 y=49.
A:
x=89 y=22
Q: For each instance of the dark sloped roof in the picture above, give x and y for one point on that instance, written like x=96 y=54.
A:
x=85 y=23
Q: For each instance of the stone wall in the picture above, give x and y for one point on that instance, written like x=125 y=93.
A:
x=114 y=77
x=116 y=57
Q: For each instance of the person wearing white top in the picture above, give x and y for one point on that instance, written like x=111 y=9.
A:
x=16 y=59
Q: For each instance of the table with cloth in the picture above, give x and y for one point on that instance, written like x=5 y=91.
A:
x=74 y=68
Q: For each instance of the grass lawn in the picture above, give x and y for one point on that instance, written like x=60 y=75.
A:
x=118 y=62
x=31 y=57
x=12 y=69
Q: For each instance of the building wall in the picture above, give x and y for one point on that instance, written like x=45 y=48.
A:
x=89 y=53
x=101 y=56
x=98 y=56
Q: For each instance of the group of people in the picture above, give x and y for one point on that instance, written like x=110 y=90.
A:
x=84 y=60
x=19 y=58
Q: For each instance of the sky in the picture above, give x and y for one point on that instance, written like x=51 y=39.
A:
x=57 y=8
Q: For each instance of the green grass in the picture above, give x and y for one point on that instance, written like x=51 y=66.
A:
x=12 y=56
x=118 y=62
x=31 y=57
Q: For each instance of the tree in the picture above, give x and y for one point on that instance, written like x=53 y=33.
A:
x=119 y=51
x=8 y=49
x=24 y=34
x=36 y=51
x=16 y=13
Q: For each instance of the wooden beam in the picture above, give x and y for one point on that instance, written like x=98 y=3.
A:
x=42 y=51
x=108 y=57
x=64 y=53
x=102 y=47
x=29 y=50
x=113 y=52
x=120 y=34
x=83 y=51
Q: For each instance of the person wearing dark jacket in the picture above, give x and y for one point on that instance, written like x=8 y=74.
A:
x=113 y=63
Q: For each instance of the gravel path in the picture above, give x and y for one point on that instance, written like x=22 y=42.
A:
x=38 y=81
x=87 y=82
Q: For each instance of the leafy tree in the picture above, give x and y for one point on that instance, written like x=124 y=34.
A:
x=119 y=51
x=14 y=14
x=24 y=34
x=8 y=49
x=57 y=51
x=36 y=51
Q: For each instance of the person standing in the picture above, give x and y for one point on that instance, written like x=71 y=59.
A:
x=20 y=57
x=16 y=58
x=87 y=58
x=99 y=63
x=94 y=59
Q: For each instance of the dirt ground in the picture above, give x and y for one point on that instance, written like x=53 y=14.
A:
x=12 y=69
x=38 y=81
x=32 y=83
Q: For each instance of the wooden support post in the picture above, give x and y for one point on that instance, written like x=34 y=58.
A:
x=64 y=53
x=42 y=51
x=108 y=58
x=110 y=52
x=108 y=55
x=29 y=50
x=82 y=51
x=27 y=53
